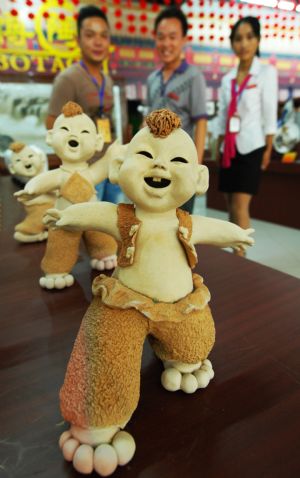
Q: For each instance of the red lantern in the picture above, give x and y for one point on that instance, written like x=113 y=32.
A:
x=118 y=12
x=31 y=16
x=155 y=7
x=143 y=17
x=29 y=3
x=60 y=2
x=46 y=15
x=14 y=12
x=118 y=25
x=62 y=16
x=131 y=28
x=190 y=38
x=144 y=29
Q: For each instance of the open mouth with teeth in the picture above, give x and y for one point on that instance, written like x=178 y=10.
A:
x=155 y=182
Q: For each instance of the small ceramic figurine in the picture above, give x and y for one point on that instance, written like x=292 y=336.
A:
x=74 y=139
x=26 y=162
x=152 y=292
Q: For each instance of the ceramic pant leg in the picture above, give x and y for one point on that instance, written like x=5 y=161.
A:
x=99 y=244
x=33 y=222
x=102 y=381
x=61 y=251
x=188 y=341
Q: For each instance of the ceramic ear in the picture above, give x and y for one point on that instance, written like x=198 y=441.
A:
x=203 y=179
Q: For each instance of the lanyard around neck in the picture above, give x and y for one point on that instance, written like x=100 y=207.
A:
x=99 y=88
x=236 y=92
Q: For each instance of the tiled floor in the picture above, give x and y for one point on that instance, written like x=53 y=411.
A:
x=275 y=246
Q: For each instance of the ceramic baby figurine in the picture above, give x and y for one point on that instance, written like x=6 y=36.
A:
x=74 y=139
x=26 y=162
x=152 y=292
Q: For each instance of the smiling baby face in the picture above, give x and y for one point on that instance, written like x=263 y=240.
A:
x=27 y=162
x=159 y=174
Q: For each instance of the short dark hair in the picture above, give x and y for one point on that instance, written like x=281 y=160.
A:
x=87 y=12
x=255 y=25
x=172 y=12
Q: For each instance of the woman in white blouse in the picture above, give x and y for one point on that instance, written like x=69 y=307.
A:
x=247 y=121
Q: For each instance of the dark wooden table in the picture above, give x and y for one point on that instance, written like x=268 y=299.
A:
x=245 y=424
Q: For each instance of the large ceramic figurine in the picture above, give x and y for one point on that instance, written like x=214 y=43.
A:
x=152 y=292
x=24 y=163
x=74 y=139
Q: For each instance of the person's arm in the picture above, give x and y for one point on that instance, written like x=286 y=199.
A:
x=268 y=152
x=200 y=134
x=93 y=216
x=197 y=105
x=50 y=121
x=222 y=118
x=62 y=92
x=220 y=233
x=269 y=110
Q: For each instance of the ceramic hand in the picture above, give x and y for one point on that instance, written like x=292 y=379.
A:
x=24 y=195
x=244 y=240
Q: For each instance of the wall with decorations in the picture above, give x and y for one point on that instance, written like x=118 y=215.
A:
x=38 y=39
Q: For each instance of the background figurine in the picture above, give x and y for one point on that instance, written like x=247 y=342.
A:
x=74 y=139
x=25 y=162
x=152 y=292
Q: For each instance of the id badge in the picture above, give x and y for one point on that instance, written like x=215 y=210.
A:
x=234 y=124
x=103 y=127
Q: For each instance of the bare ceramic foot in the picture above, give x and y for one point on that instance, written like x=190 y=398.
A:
x=186 y=377
x=56 y=281
x=27 y=238
x=109 y=262
x=101 y=450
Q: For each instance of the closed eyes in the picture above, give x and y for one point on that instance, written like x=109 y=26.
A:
x=178 y=159
x=85 y=131
x=146 y=153
x=65 y=128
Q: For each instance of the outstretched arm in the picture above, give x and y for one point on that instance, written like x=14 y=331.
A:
x=99 y=169
x=94 y=216
x=219 y=233
x=43 y=183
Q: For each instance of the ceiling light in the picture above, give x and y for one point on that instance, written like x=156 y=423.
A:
x=265 y=3
x=286 y=5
